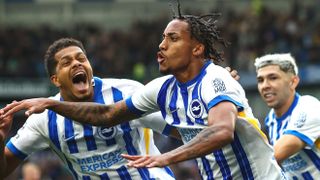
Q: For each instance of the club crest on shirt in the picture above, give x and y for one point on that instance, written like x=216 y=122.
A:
x=196 y=108
x=107 y=133
x=218 y=85
x=301 y=120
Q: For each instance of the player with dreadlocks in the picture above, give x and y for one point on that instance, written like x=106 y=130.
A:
x=199 y=98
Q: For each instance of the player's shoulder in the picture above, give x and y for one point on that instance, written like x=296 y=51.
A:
x=308 y=100
x=159 y=81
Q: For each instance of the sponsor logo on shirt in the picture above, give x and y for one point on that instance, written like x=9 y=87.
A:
x=100 y=161
x=301 y=120
x=218 y=85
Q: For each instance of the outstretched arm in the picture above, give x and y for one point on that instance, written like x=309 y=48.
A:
x=83 y=112
x=220 y=132
x=8 y=161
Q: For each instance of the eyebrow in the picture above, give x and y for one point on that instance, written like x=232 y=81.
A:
x=68 y=56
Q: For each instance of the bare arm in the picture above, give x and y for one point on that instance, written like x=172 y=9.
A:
x=220 y=132
x=8 y=161
x=287 y=146
x=83 y=112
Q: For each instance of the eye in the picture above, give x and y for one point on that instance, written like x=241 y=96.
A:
x=64 y=62
x=82 y=58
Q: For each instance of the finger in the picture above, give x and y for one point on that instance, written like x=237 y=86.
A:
x=130 y=157
x=152 y=164
x=10 y=106
x=228 y=69
x=13 y=108
x=142 y=162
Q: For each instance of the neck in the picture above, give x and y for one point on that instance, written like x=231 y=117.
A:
x=190 y=72
x=280 y=111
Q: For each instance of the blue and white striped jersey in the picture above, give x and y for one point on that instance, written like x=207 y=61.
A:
x=186 y=107
x=92 y=152
x=303 y=121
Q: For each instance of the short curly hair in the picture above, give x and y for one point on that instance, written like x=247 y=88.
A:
x=56 y=46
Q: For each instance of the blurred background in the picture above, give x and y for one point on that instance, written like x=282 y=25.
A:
x=122 y=36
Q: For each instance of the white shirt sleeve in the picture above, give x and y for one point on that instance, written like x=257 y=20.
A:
x=29 y=137
x=305 y=120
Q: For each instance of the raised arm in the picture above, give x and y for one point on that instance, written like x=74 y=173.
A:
x=220 y=132
x=8 y=161
x=83 y=112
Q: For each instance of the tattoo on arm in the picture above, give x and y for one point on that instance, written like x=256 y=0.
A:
x=93 y=113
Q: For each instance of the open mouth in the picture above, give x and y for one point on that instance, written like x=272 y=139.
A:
x=80 y=80
x=79 y=77
x=160 y=57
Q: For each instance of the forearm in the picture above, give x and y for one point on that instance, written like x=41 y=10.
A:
x=208 y=140
x=3 y=162
x=90 y=113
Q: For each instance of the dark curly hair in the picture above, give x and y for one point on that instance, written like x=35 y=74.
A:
x=204 y=29
x=49 y=61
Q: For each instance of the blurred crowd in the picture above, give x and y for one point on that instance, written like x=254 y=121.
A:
x=132 y=54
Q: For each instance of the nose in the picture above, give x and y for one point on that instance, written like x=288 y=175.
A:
x=76 y=63
x=162 y=45
x=264 y=84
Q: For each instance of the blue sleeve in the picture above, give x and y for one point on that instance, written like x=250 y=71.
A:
x=221 y=98
x=132 y=108
x=301 y=136
x=16 y=151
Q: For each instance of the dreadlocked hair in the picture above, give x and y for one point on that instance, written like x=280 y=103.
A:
x=204 y=29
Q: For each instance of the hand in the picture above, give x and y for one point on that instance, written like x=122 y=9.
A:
x=5 y=126
x=233 y=73
x=35 y=105
x=139 y=161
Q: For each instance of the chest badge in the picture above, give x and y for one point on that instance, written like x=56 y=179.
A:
x=196 y=108
x=107 y=133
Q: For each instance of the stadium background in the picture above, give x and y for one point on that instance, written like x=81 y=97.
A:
x=122 y=36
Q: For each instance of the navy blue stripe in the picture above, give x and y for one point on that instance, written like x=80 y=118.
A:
x=104 y=176
x=168 y=170
x=69 y=136
x=53 y=129
x=307 y=176
x=161 y=99
x=89 y=138
x=295 y=178
x=98 y=96
x=293 y=105
x=279 y=125
x=132 y=108
x=173 y=106
x=75 y=175
x=54 y=137
x=207 y=168
x=86 y=178
x=314 y=158
x=144 y=173
x=195 y=95
x=123 y=173
x=242 y=159
x=184 y=94
x=222 y=162
x=167 y=130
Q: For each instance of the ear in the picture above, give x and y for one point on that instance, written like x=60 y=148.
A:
x=198 y=50
x=54 y=80
x=294 y=82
